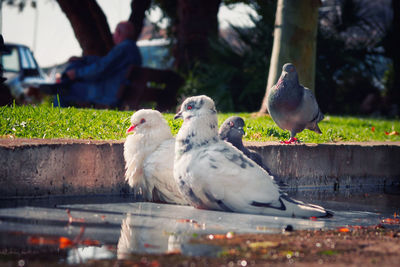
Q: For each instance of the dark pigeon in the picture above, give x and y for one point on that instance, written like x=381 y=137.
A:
x=232 y=131
x=292 y=106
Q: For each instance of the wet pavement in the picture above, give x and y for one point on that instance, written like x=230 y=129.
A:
x=112 y=227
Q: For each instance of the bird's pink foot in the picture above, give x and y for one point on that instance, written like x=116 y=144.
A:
x=291 y=140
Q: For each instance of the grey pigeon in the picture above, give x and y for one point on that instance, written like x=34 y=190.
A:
x=292 y=106
x=149 y=159
x=232 y=131
x=213 y=174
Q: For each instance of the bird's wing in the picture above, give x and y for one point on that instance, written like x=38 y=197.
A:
x=223 y=131
x=268 y=97
x=309 y=107
x=160 y=163
x=158 y=170
x=133 y=160
x=254 y=156
x=230 y=176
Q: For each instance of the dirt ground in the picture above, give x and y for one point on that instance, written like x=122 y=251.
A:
x=356 y=246
x=377 y=245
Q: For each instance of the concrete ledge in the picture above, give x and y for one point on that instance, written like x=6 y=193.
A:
x=37 y=167
x=333 y=165
x=42 y=167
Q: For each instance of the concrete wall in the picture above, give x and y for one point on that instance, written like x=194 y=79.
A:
x=334 y=166
x=62 y=169
x=36 y=167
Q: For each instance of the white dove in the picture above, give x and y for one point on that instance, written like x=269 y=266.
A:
x=149 y=158
x=213 y=174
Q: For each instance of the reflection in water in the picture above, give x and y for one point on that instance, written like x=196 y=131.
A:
x=136 y=238
x=172 y=236
x=125 y=242
x=115 y=230
x=175 y=242
x=146 y=234
x=81 y=255
x=155 y=228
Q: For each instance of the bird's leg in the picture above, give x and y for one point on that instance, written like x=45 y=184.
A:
x=291 y=140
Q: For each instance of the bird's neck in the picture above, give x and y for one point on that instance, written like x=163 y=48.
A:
x=149 y=141
x=195 y=133
x=236 y=142
x=286 y=94
x=287 y=85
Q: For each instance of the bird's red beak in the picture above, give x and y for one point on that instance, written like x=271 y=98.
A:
x=130 y=129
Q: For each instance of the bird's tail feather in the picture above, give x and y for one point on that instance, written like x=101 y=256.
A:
x=313 y=124
x=291 y=208
x=317 y=129
x=304 y=210
x=320 y=116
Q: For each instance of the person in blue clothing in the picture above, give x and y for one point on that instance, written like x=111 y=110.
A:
x=95 y=80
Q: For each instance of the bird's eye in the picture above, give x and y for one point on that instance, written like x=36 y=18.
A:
x=231 y=124
x=142 y=121
x=189 y=107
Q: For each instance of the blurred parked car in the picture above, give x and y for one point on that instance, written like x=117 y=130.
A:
x=155 y=53
x=5 y=95
x=21 y=71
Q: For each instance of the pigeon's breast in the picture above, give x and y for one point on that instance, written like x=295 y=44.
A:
x=284 y=98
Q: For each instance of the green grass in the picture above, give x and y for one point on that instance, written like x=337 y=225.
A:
x=48 y=122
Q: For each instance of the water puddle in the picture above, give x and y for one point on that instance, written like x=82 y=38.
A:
x=73 y=231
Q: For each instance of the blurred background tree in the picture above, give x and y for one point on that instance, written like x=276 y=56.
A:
x=193 y=23
x=357 y=60
x=89 y=24
x=350 y=58
x=391 y=44
x=296 y=24
x=356 y=55
x=235 y=76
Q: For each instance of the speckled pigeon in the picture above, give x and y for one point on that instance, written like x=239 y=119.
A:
x=213 y=174
x=292 y=106
x=149 y=159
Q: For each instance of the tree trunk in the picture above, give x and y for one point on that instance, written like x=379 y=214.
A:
x=296 y=24
x=197 y=22
x=137 y=16
x=89 y=24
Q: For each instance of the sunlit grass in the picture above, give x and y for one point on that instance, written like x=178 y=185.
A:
x=48 y=122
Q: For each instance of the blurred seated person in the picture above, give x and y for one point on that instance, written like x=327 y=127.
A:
x=96 y=80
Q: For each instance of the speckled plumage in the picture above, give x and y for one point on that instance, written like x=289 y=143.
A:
x=213 y=174
x=292 y=106
x=149 y=159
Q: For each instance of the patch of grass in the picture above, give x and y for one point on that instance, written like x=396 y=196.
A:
x=48 y=122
